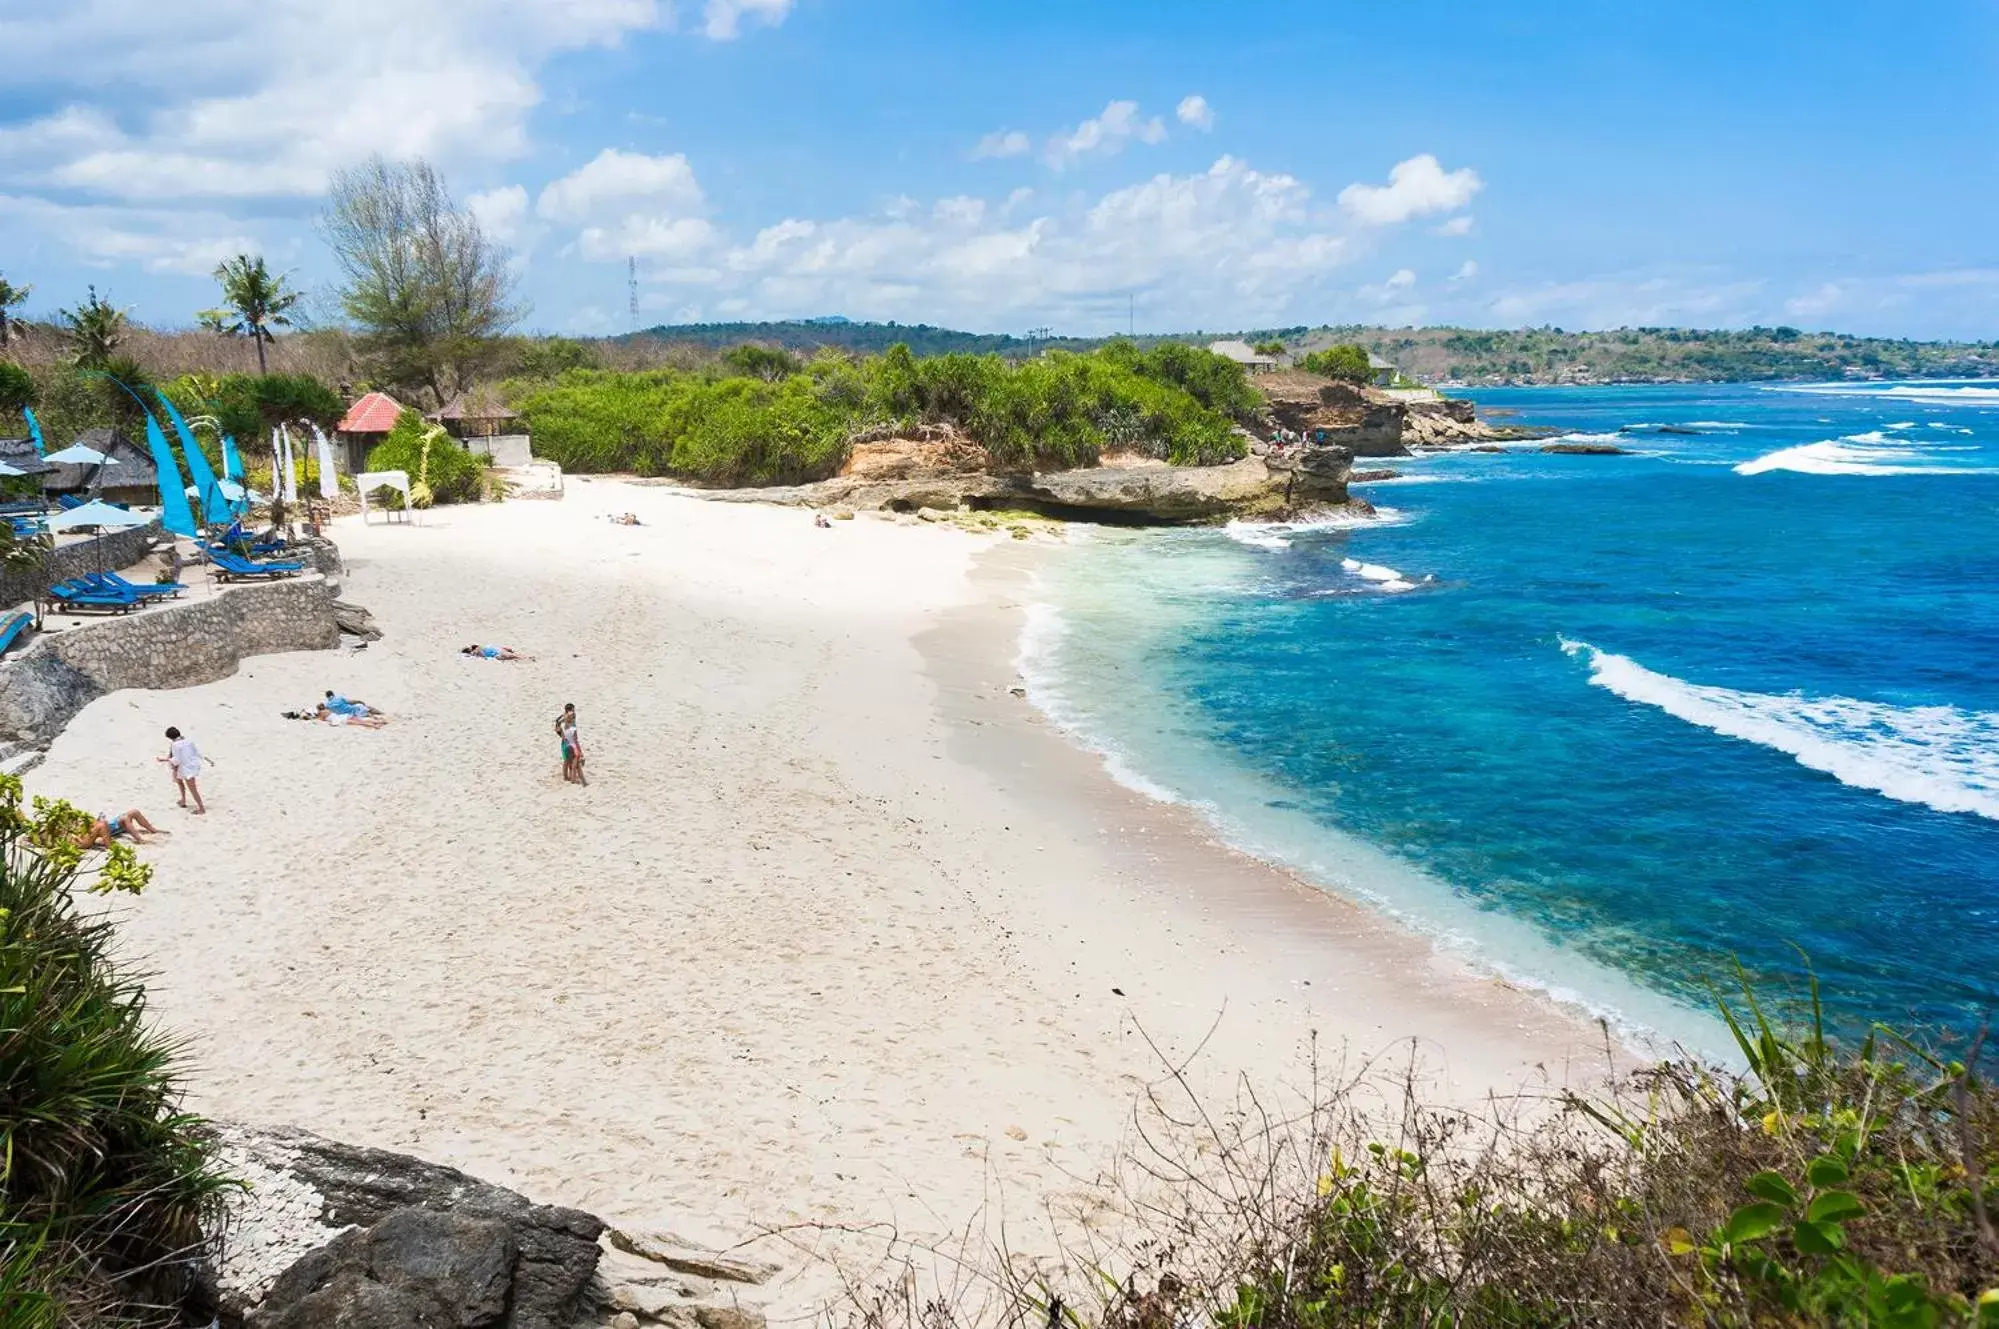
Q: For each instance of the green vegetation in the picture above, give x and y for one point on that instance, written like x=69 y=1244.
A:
x=94 y=330
x=11 y=297
x=440 y=470
x=1346 y=362
x=104 y=1183
x=763 y=418
x=254 y=301
x=17 y=390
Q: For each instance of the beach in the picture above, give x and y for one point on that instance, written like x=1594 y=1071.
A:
x=842 y=932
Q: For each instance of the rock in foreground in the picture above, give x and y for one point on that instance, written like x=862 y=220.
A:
x=337 y=1235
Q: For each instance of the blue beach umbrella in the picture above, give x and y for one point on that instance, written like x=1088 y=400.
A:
x=100 y=515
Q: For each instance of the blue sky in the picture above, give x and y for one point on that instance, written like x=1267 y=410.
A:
x=1002 y=166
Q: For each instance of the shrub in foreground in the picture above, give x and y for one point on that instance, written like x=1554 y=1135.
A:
x=104 y=1182
x=1819 y=1186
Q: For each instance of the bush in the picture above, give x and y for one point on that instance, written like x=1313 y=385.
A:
x=1348 y=363
x=434 y=460
x=775 y=421
x=17 y=389
x=105 y=1185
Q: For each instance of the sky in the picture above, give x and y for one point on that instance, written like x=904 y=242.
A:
x=1083 y=165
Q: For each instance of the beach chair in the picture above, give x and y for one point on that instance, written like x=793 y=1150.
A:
x=26 y=526
x=231 y=567
x=13 y=629
x=68 y=502
x=114 y=584
x=79 y=594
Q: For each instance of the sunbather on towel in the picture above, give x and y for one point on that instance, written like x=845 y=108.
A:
x=340 y=705
x=494 y=653
x=330 y=716
x=132 y=826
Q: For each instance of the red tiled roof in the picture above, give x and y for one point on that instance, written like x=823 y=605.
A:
x=374 y=414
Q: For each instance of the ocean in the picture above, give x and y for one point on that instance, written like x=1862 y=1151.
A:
x=1605 y=725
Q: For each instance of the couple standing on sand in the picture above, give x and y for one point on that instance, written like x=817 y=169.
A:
x=572 y=746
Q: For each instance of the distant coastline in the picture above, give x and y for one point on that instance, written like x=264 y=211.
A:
x=1449 y=356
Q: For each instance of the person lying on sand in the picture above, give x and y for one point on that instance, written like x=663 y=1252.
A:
x=132 y=826
x=340 y=705
x=624 y=519
x=326 y=715
x=819 y=520
x=495 y=653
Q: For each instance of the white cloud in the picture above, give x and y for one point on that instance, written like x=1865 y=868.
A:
x=1195 y=111
x=1403 y=278
x=1107 y=134
x=629 y=204
x=1227 y=244
x=1466 y=271
x=1816 y=303
x=188 y=244
x=502 y=213
x=1631 y=300
x=1455 y=226
x=1003 y=143
x=722 y=19
x=1417 y=187
x=262 y=99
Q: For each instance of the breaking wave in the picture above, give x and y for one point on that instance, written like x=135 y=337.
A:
x=1871 y=453
x=1939 y=756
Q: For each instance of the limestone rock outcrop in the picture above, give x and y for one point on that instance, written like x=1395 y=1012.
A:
x=331 y=1234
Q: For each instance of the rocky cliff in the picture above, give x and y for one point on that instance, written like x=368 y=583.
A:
x=915 y=474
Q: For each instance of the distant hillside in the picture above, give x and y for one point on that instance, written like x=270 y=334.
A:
x=1643 y=355
x=865 y=338
x=1449 y=355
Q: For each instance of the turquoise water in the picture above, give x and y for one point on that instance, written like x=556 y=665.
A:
x=1606 y=724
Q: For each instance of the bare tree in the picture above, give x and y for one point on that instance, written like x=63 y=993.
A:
x=426 y=289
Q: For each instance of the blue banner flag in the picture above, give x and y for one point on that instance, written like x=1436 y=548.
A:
x=232 y=461
x=215 y=509
x=35 y=431
x=175 y=514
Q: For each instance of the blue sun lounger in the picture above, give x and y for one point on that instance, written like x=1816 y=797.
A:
x=229 y=567
x=12 y=629
x=79 y=594
x=113 y=584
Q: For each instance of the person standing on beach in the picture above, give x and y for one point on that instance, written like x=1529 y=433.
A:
x=184 y=760
x=572 y=746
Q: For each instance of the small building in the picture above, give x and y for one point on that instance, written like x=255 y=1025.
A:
x=128 y=476
x=1383 y=371
x=1245 y=355
x=367 y=422
x=478 y=419
x=20 y=454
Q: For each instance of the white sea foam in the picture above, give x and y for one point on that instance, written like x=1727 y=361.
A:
x=1258 y=534
x=1937 y=756
x=1901 y=424
x=1037 y=658
x=1718 y=424
x=1924 y=392
x=1871 y=453
x=1386 y=578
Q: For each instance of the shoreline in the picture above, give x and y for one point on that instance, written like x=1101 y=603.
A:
x=844 y=938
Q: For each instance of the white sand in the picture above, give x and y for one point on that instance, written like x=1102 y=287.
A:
x=832 y=935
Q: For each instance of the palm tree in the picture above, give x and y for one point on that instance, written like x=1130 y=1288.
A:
x=95 y=329
x=10 y=295
x=254 y=302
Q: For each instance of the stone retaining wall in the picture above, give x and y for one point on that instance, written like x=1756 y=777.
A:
x=120 y=549
x=177 y=646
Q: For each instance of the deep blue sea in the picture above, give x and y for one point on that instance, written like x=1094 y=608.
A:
x=1606 y=724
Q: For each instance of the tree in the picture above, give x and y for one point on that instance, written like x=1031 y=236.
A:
x=254 y=301
x=95 y=330
x=1348 y=362
x=10 y=296
x=765 y=362
x=17 y=389
x=1272 y=347
x=428 y=289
